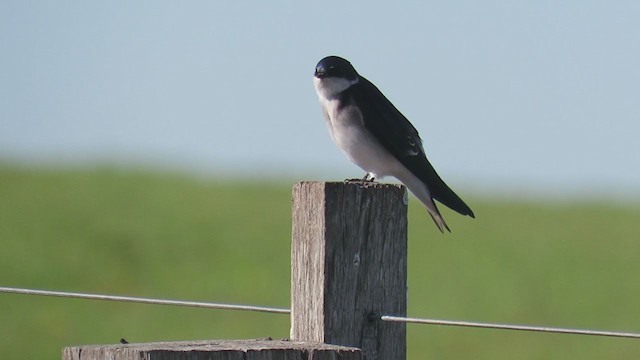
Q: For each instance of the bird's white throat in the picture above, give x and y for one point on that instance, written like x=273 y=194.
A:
x=331 y=87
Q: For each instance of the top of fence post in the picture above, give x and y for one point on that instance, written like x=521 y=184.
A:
x=258 y=349
x=349 y=265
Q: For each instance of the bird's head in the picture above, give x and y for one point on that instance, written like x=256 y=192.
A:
x=334 y=75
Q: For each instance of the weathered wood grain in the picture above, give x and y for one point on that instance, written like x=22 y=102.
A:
x=349 y=264
x=214 y=350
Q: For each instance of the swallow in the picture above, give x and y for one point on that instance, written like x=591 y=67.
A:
x=375 y=136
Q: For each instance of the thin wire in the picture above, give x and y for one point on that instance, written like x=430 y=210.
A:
x=510 y=327
x=197 y=304
x=273 y=310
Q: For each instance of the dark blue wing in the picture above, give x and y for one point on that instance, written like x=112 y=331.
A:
x=402 y=140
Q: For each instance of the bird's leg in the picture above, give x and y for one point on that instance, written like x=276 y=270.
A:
x=364 y=179
x=368 y=178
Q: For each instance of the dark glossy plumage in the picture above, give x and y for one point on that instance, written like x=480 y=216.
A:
x=401 y=139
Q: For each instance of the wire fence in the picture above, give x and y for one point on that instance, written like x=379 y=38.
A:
x=274 y=310
x=545 y=329
x=143 y=300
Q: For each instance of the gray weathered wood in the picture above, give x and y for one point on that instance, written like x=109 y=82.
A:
x=214 y=350
x=349 y=261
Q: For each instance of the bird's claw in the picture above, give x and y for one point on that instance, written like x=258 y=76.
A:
x=363 y=183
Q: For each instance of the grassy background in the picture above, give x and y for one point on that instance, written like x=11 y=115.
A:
x=172 y=236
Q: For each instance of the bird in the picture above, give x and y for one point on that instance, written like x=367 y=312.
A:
x=376 y=137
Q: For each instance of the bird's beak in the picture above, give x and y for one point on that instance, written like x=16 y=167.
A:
x=320 y=72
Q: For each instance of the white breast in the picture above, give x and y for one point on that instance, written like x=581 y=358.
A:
x=349 y=133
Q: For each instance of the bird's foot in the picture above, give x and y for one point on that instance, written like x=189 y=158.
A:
x=368 y=178
x=364 y=182
x=365 y=179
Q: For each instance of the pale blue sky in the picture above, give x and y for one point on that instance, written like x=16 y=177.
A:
x=520 y=95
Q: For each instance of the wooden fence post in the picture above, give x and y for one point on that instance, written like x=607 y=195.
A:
x=349 y=266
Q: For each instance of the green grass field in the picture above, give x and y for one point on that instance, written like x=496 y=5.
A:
x=177 y=237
